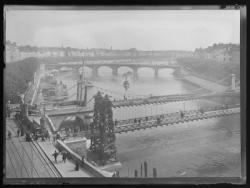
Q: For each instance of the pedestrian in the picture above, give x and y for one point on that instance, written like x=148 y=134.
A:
x=158 y=121
x=54 y=138
x=22 y=132
x=117 y=173
x=27 y=137
x=18 y=132
x=57 y=136
x=48 y=136
x=36 y=137
x=76 y=166
x=43 y=139
x=83 y=160
x=146 y=118
x=55 y=154
x=135 y=120
x=182 y=114
x=64 y=157
x=9 y=134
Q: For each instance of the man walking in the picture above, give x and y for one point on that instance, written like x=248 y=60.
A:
x=9 y=134
x=64 y=156
x=18 y=132
x=83 y=160
x=55 y=154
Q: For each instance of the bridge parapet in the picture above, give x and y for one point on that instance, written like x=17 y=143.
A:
x=175 y=118
x=116 y=65
x=88 y=166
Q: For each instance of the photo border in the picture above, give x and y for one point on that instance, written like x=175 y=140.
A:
x=176 y=180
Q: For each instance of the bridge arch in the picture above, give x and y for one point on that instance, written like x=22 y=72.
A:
x=88 y=70
x=124 y=68
x=150 y=71
x=102 y=67
x=73 y=123
x=166 y=72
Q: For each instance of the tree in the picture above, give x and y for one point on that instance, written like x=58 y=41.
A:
x=17 y=76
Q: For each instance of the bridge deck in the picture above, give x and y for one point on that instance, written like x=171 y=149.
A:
x=68 y=111
x=135 y=102
x=166 y=99
x=174 y=118
x=114 y=63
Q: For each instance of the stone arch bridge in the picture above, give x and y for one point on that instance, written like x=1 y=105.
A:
x=115 y=66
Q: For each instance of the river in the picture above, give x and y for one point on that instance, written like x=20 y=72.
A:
x=196 y=149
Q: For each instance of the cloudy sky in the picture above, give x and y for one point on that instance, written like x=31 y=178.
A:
x=123 y=29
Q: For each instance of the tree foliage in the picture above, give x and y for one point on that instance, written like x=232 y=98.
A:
x=17 y=75
x=211 y=69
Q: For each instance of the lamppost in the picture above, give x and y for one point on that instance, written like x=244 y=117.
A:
x=126 y=86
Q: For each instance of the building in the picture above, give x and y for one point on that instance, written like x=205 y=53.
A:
x=222 y=53
x=11 y=52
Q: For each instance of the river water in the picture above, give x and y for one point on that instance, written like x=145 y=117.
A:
x=195 y=149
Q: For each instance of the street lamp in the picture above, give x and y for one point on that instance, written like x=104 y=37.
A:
x=126 y=86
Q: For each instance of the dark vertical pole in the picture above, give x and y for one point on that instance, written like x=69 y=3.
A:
x=145 y=169
x=136 y=174
x=85 y=95
x=141 y=169
x=25 y=110
x=78 y=91
x=154 y=173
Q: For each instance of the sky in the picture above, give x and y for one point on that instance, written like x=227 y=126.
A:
x=123 y=29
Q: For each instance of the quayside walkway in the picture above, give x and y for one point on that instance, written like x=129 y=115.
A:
x=26 y=159
x=34 y=159
x=124 y=126
x=67 y=169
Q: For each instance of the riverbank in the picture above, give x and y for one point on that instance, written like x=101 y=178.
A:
x=211 y=70
x=201 y=82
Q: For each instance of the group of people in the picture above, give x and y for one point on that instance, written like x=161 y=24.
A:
x=65 y=157
x=116 y=174
x=158 y=119
x=63 y=153
x=137 y=121
x=182 y=114
x=19 y=133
